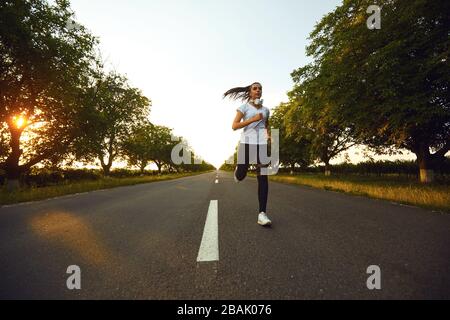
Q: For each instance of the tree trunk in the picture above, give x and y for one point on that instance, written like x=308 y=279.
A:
x=327 y=168
x=159 y=165
x=426 y=172
x=106 y=169
x=106 y=166
x=142 y=166
x=111 y=156
x=12 y=176
x=12 y=167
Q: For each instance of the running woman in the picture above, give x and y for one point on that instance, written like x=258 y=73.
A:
x=254 y=118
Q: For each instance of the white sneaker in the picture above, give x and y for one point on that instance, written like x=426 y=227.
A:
x=263 y=219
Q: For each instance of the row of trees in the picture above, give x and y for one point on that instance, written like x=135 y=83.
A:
x=385 y=89
x=57 y=102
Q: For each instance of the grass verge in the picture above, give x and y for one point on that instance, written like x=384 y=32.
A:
x=34 y=194
x=435 y=196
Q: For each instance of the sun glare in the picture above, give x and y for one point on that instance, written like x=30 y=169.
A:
x=19 y=121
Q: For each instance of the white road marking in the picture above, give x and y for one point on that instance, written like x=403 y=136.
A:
x=217 y=180
x=209 y=247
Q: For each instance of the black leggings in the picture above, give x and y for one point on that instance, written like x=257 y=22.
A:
x=242 y=169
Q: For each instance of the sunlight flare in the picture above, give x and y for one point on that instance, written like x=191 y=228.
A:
x=19 y=121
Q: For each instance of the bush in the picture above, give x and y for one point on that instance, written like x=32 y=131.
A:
x=82 y=174
x=123 y=173
x=40 y=177
x=380 y=167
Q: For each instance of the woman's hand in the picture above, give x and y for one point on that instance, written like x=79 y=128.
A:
x=237 y=124
x=258 y=117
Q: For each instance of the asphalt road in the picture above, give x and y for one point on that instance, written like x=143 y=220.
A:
x=143 y=241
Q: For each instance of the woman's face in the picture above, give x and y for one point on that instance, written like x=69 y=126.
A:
x=255 y=91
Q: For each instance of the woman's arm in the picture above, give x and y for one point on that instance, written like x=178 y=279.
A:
x=268 y=129
x=237 y=124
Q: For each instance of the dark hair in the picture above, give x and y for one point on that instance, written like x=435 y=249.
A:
x=242 y=93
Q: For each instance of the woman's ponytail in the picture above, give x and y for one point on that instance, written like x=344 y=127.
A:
x=237 y=93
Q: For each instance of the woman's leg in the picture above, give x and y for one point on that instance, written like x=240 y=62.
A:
x=263 y=190
x=243 y=162
x=263 y=181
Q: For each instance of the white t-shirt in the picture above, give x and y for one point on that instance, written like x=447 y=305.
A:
x=255 y=132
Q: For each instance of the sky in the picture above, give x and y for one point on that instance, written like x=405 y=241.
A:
x=185 y=54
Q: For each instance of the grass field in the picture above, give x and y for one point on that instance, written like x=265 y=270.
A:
x=394 y=188
x=33 y=194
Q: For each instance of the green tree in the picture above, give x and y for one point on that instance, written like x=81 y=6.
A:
x=294 y=148
x=150 y=143
x=44 y=64
x=115 y=109
x=138 y=147
x=162 y=147
x=389 y=85
x=308 y=120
